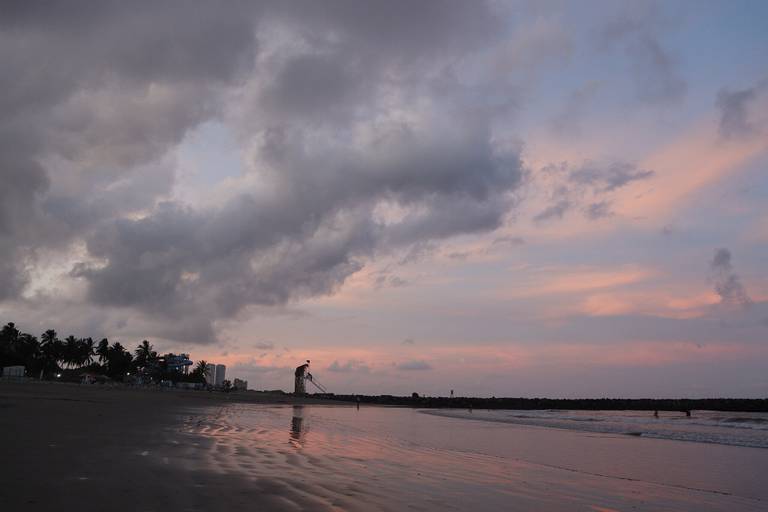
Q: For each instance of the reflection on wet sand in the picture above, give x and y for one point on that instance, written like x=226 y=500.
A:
x=298 y=429
x=395 y=459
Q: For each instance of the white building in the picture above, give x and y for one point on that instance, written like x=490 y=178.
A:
x=210 y=376
x=221 y=371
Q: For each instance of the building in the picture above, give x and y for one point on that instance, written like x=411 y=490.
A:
x=179 y=363
x=240 y=384
x=301 y=374
x=221 y=371
x=210 y=375
x=13 y=371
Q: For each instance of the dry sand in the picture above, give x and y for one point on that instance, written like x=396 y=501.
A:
x=69 y=447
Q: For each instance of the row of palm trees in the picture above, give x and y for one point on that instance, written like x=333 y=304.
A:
x=49 y=356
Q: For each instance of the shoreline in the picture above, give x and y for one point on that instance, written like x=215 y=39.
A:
x=681 y=405
x=122 y=449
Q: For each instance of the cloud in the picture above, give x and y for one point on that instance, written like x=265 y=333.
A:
x=258 y=373
x=727 y=283
x=608 y=178
x=568 y=122
x=264 y=345
x=415 y=365
x=599 y=210
x=350 y=366
x=80 y=126
x=738 y=110
x=637 y=30
x=408 y=341
x=87 y=147
x=310 y=232
x=385 y=278
x=589 y=186
x=555 y=211
x=510 y=241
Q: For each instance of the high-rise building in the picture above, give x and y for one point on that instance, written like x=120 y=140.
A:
x=221 y=371
x=210 y=376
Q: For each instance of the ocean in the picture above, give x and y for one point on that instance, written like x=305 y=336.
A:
x=729 y=428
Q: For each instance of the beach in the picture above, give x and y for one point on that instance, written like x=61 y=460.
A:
x=70 y=447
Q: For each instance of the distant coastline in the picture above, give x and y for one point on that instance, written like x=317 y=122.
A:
x=584 y=404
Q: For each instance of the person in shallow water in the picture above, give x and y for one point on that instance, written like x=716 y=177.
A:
x=300 y=374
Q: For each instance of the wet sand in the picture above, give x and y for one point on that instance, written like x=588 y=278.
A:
x=92 y=448
x=86 y=448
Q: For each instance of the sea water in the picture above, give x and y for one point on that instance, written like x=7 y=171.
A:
x=729 y=428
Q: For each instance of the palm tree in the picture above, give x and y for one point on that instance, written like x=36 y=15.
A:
x=9 y=333
x=48 y=337
x=103 y=350
x=28 y=350
x=201 y=371
x=70 y=351
x=50 y=348
x=86 y=352
x=9 y=336
x=118 y=361
x=144 y=354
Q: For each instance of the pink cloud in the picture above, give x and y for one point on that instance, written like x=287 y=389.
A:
x=695 y=160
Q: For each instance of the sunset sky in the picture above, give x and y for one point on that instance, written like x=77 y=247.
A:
x=559 y=199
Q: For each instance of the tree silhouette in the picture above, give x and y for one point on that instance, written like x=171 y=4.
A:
x=119 y=361
x=19 y=348
x=86 y=351
x=201 y=371
x=69 y=353
x=51 y=352
x=9 y=339
x=103 y=350
x=144 y=354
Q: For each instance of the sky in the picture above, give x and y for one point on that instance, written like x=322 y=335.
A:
x=561 y=199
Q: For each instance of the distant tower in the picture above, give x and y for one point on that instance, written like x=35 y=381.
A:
x=299 y=387
x=221 y=371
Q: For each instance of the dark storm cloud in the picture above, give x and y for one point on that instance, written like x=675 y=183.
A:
x=90 y=91
x=727 y=283
x=408 y=31
x=114 y=87
x=313 y=231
